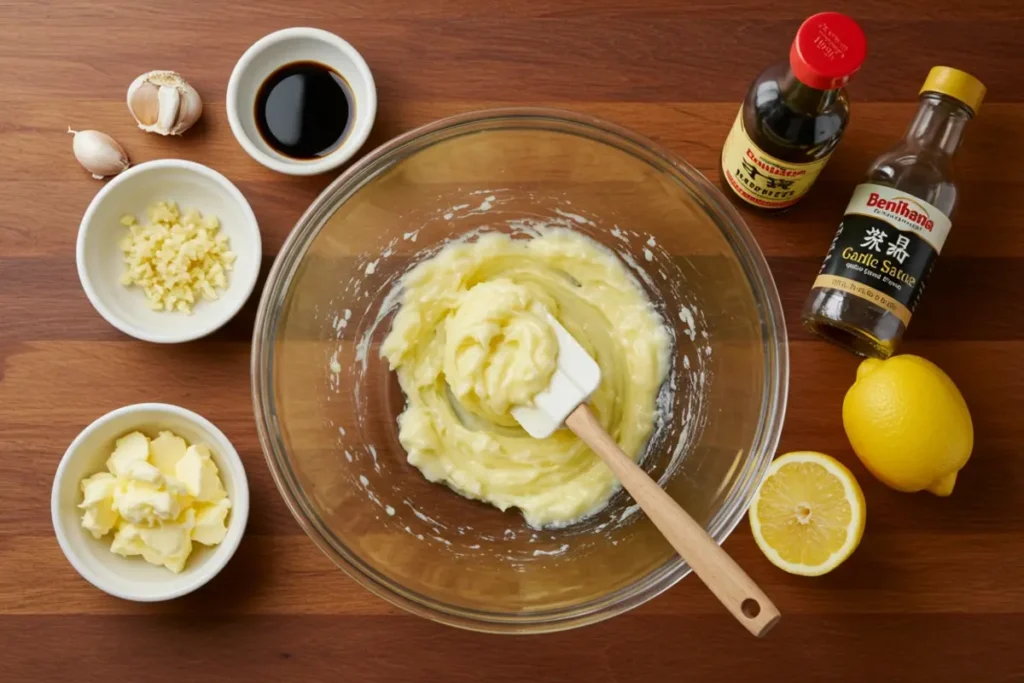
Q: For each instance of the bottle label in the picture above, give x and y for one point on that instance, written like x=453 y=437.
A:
x=761 y=179
x=885 y=248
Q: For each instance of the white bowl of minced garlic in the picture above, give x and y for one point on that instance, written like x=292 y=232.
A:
x=150 y=502
x=168 y=251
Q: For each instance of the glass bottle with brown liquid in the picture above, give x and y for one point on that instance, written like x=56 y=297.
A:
x=895 y=225
x=794 y=115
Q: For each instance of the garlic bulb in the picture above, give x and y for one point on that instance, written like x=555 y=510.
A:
x=163 y=102
x=99 y=153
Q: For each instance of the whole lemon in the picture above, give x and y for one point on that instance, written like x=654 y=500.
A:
x=908 y=423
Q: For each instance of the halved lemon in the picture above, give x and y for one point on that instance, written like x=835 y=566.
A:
x=808 y=515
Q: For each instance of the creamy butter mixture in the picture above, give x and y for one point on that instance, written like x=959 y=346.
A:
x=470 y=341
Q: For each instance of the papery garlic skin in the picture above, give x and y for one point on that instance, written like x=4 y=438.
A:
x=98 y=153
x=163 y=102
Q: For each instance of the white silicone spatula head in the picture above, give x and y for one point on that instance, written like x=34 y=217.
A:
x=576 y=377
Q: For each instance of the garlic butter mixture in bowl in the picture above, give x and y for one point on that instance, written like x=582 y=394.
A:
x=472 y=324
x=406 y=314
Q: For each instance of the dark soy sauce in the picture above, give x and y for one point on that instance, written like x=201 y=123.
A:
x=304 y=110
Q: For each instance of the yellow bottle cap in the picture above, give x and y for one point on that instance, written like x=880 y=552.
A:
x=957 y=84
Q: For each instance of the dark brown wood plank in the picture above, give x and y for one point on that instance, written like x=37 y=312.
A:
x=631 y=648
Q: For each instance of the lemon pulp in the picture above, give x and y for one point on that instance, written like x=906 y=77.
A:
x=808 y=516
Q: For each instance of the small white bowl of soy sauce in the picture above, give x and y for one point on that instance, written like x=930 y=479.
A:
x=301 y=101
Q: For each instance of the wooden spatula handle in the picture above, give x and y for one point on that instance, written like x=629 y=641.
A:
x=709 y=561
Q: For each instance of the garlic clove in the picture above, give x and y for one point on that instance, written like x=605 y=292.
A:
x=163 y=102
x=170 y=103
x=191 y=108
x=99 y=153
x=143 y=103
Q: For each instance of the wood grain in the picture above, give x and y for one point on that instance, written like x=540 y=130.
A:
x=934 y=592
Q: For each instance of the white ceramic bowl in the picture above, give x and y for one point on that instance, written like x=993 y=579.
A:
x=133 y=578
x=101 y=261
x=270 y=53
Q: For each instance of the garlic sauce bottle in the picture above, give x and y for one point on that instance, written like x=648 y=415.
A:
x=895 y=225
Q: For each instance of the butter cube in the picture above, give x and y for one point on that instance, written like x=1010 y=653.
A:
x=98 y=502
x=128 y=541
x=211 y=522
x=143 y=471
x=128 y=449
x=141 y=502
x=199 y=474
x=165 y=451
x=168 y=544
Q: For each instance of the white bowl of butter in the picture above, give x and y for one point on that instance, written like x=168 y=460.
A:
x=102 y=260
x=133 y=577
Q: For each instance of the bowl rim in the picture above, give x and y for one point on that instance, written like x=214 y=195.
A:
x=366 y=112
x=221 y=554
x=186 y=332
x=734 y=229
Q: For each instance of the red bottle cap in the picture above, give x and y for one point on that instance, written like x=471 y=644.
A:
x=828 y=49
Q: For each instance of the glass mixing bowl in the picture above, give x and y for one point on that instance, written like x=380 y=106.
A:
x=326 y=404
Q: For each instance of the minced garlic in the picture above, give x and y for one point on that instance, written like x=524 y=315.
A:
x=176 y=259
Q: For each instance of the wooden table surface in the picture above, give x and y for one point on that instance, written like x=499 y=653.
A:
x=936 y=590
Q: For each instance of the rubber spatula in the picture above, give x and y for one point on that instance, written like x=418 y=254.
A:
x=564 y=401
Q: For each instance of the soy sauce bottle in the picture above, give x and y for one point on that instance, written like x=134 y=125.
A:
x=794 y=115
x=895 y=225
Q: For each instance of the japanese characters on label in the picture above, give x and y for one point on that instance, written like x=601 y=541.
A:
x=761 y=179
x=885 y=248
x=876 y=237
